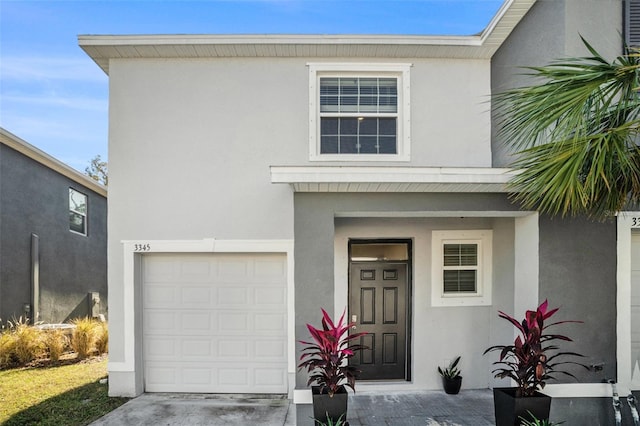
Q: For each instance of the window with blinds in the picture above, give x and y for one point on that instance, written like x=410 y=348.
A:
x=461 y=267
x=460 y=271
x=632 y=23
x=358 y=115
x=359 y=112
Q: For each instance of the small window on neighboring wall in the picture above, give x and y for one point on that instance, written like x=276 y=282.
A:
x=461 y=268
x=77 y=212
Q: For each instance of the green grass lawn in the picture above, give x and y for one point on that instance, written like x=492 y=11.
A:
x=56 y=395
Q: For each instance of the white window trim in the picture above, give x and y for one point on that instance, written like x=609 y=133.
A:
x=85 y=215
x=482 y=297
x=399 y=70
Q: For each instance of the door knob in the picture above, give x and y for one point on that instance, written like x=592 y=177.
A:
x=354 y=319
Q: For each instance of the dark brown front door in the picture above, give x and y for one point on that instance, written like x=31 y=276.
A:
x=378 y=305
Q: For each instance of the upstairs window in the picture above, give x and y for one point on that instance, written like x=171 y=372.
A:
x=77 y=212
x=359 y=112
x=461 y=268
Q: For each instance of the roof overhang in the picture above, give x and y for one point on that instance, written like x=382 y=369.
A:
x=14 y=142
x=103 y=48
x=393 y=179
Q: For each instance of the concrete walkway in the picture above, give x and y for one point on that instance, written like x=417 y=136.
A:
x=193 y=410
x=430 y=408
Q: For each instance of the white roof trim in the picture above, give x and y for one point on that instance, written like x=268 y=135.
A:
x=12 y=141
x=103 y=48
x=392 y=179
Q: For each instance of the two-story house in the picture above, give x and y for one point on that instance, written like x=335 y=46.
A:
x=53 y=237
x=257 y=179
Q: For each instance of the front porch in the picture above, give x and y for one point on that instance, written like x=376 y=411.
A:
x=469 y=407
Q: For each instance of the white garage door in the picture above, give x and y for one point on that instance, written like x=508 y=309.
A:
x=215 y=323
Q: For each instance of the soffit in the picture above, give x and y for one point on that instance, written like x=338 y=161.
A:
x=102 y=48
x=392 y=179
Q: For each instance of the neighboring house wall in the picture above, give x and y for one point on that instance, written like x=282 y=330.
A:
x=578 y=257
x=550 y=31
x=34 y=199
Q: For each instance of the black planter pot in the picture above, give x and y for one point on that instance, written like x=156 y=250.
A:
x=452 y=385
x=509 y=409
x=327 y=407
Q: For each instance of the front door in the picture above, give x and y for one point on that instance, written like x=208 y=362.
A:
x=378 y=305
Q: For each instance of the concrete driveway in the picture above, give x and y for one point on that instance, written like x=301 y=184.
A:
x=188 y=409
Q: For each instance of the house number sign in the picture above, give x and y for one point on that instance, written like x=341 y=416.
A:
x=147 y=247
x=635 y=222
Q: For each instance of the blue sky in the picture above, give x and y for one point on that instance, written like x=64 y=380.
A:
x=53 y=96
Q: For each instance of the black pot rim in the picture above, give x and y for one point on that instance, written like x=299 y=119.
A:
x=512 y=391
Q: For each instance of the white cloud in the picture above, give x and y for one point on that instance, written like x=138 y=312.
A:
x=52 y=100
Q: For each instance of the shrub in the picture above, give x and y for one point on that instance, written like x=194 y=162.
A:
x=55 y=342
x=532 y=359
x=28 y=344
x=102 y=337
x=83 y=338
x=7 y=348
x=326 y=356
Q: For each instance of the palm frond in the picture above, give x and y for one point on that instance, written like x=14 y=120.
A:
x=575 y=135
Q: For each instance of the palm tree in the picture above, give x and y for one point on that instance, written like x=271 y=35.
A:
x=576 y=135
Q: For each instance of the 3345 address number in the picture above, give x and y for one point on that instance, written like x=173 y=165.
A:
x=141 y=247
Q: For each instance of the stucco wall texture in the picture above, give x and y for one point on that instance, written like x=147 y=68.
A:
x=35 y=200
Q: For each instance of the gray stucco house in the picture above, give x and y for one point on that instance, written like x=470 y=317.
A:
x=53 y=237
x=256 y=179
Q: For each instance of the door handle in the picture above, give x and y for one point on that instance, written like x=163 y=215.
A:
x=354 y=319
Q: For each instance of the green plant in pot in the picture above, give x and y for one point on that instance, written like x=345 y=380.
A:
x=451 y=378
x=326 y=360
x=530 y=361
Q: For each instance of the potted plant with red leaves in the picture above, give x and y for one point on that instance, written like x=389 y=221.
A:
x=530 y=361
x=326 y=360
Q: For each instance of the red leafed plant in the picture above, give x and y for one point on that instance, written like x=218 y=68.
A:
x=527 y=361
x=325 y=358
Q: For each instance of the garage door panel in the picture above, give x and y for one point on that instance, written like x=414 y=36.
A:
x=236 y=322
x=269 y=271
x=198 y=270
x=269 y=295
x=269 y=349
x=161 y=295
x=269 y=322
x=159 y=269
x=196 y=296
x=233 y=296
x=215 y=323
x=160 y=322
x=233 y=377
x=161 y=348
